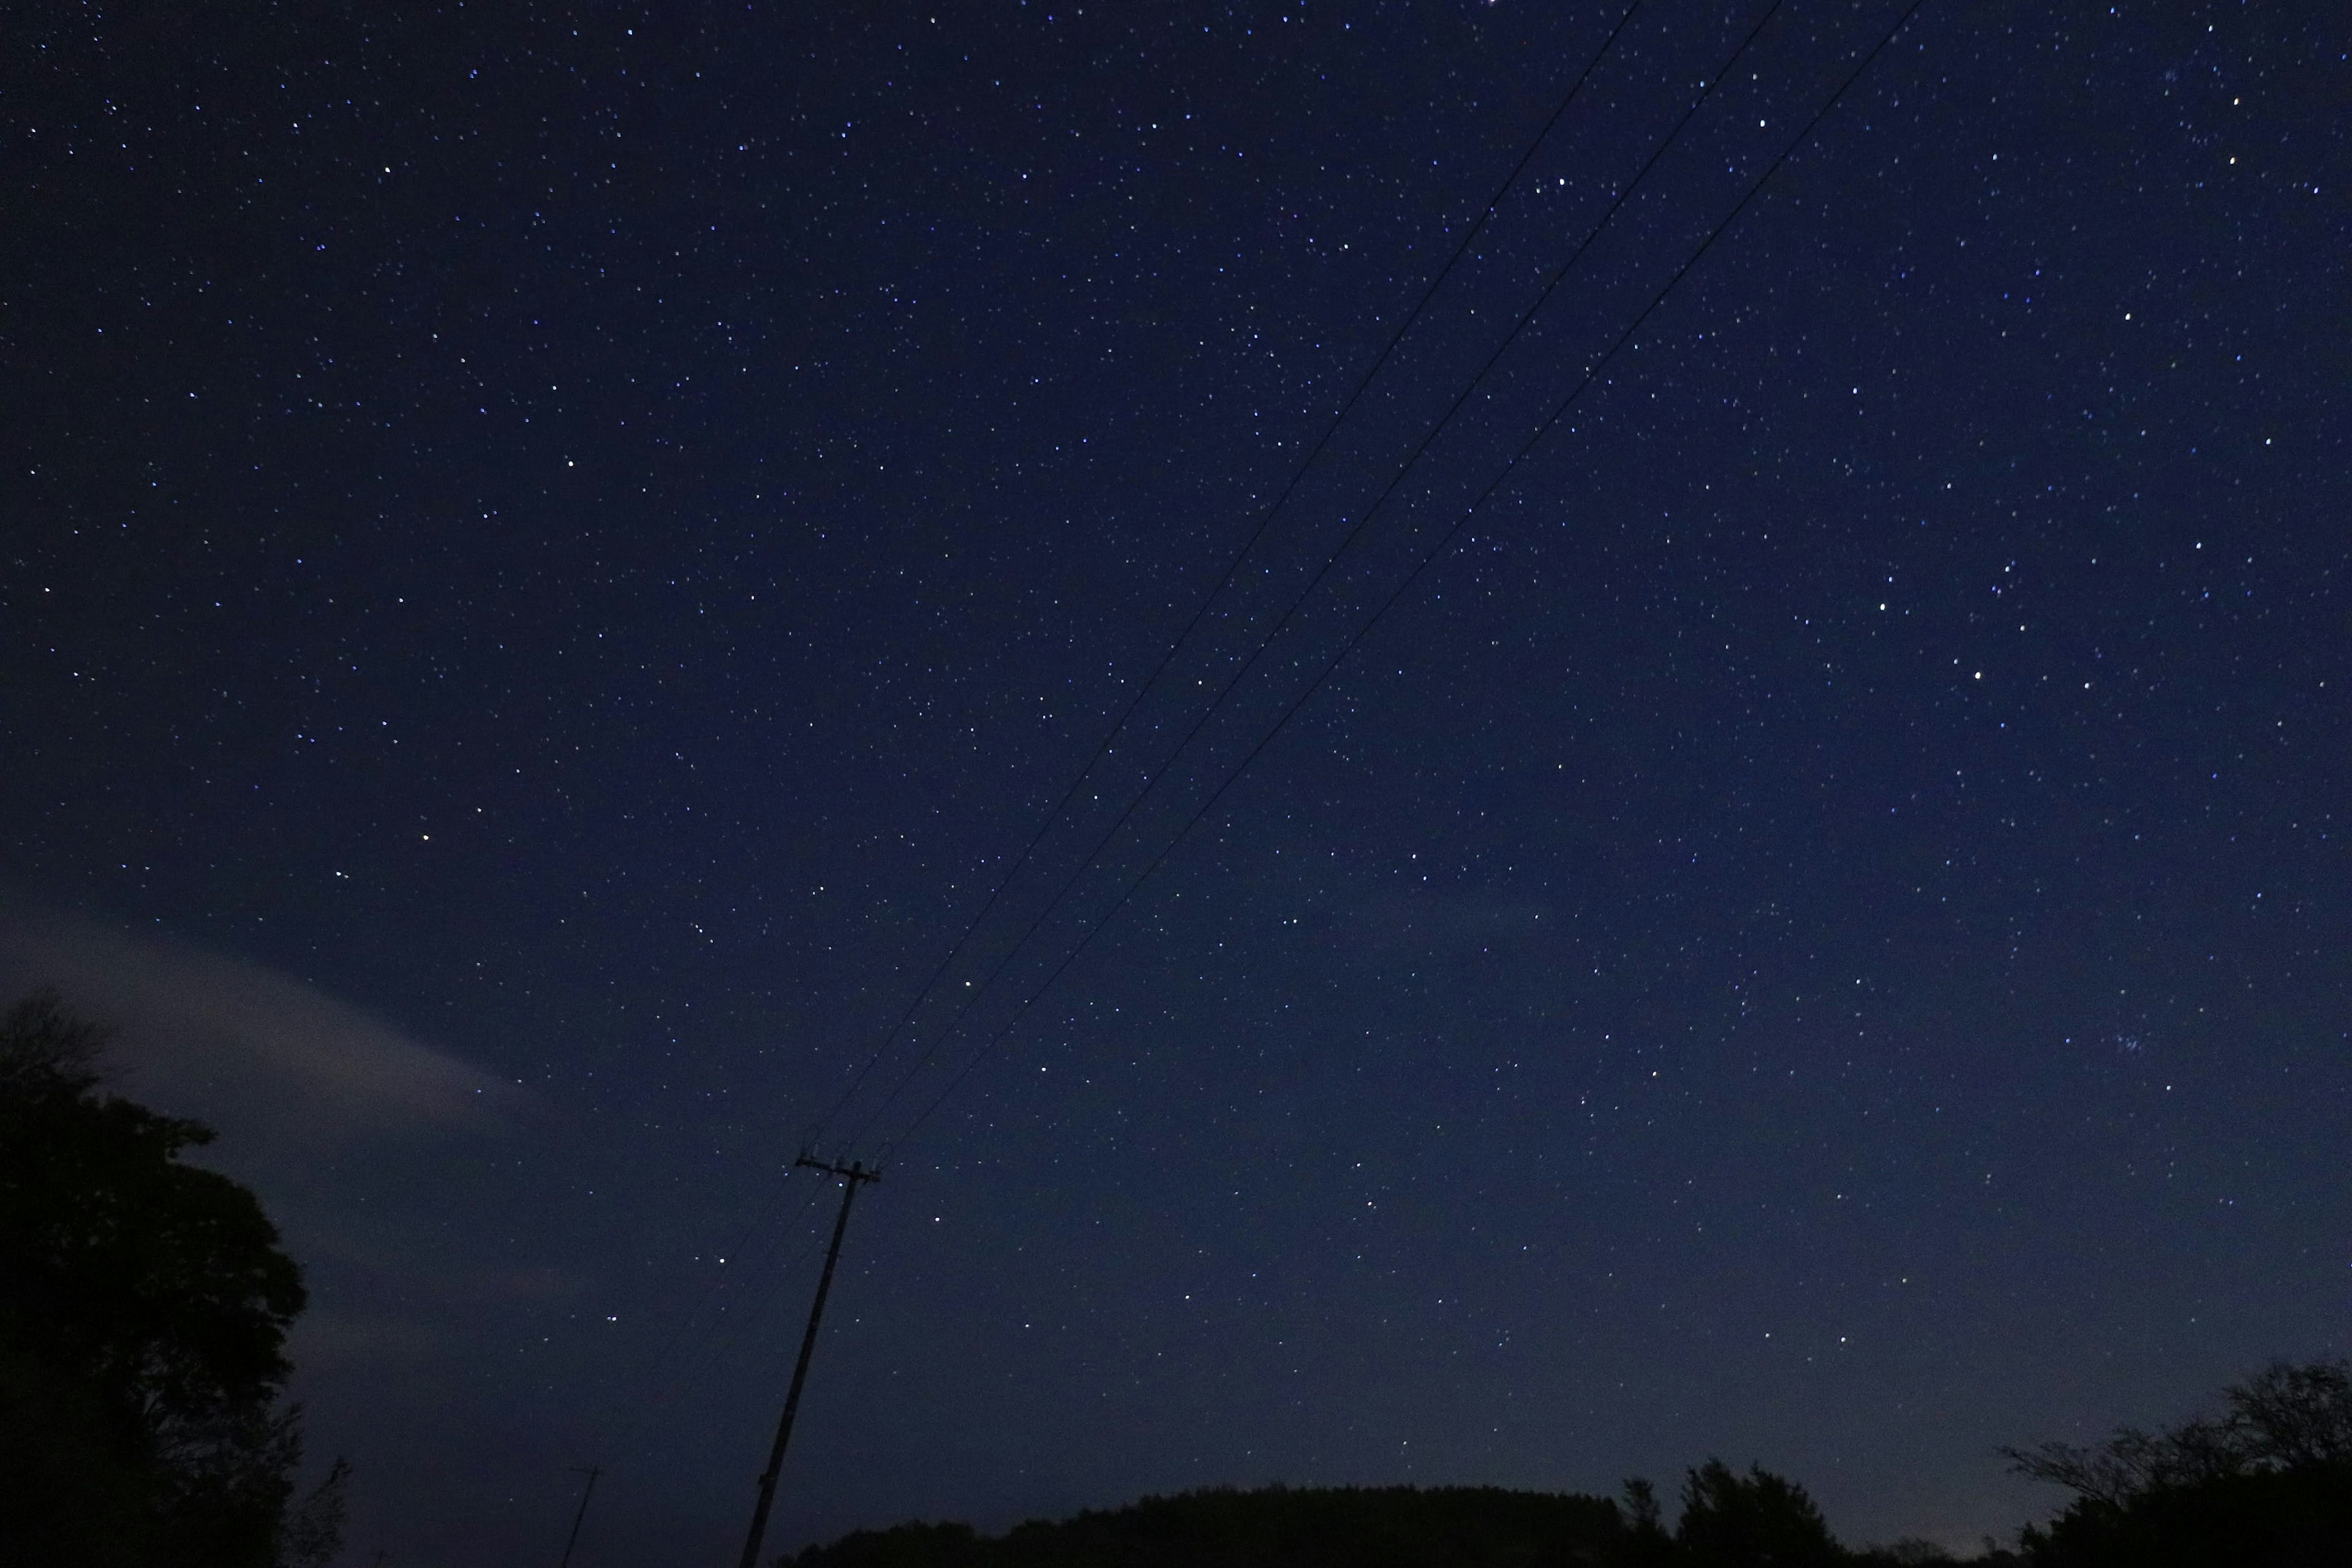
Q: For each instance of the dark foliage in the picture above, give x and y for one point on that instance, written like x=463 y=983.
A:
x=144 y=1310
x=2266 y=1484
x=2278 y=1519
x=1390 y=1527
x=1728 y=1521
x=1755 y=1520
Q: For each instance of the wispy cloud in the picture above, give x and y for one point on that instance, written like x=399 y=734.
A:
x=240 y=1042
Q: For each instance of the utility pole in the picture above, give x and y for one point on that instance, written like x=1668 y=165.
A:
x=592 y=1472
x=852 y=1177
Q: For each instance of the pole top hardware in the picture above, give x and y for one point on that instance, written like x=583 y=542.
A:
x=853 y=1172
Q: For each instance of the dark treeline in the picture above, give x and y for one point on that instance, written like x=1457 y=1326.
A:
x=1727 y=1518
x=144 y=1304
x=2266 y=1484
x=2267 y=1481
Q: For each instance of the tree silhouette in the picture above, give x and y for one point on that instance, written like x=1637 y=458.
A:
x=144 y=1310
x=1755 y=1520
x=2267 y=1482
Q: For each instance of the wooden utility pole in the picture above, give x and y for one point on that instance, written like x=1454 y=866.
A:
x=592 y=1472
x=853 y=1175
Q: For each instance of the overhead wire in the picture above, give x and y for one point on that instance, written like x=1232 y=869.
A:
x=1231 y=571
x=1429 y=557
x=1103 y=749
x=1331 y=667
x=1330 y=562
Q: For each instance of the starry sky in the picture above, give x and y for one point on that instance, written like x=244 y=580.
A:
x=551 y=561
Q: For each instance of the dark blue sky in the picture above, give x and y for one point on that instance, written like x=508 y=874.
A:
x=552 y=559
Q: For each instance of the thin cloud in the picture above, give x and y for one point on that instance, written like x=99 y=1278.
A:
x=238 y=1042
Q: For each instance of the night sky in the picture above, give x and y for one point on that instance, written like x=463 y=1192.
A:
x=551 y=560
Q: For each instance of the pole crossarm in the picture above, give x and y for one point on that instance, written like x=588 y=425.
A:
x=853 y=1172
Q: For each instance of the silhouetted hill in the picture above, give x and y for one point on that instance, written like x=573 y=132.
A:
x=1382 y=1527
x=2266 y=1483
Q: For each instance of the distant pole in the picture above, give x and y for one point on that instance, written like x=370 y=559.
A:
x=852 y=1175
x=592 y=1472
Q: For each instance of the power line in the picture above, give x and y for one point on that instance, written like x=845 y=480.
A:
x=1330 y=668
x=1330 y=562
x=1103 y=748
x=1224 y=582
x=1430 y=556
